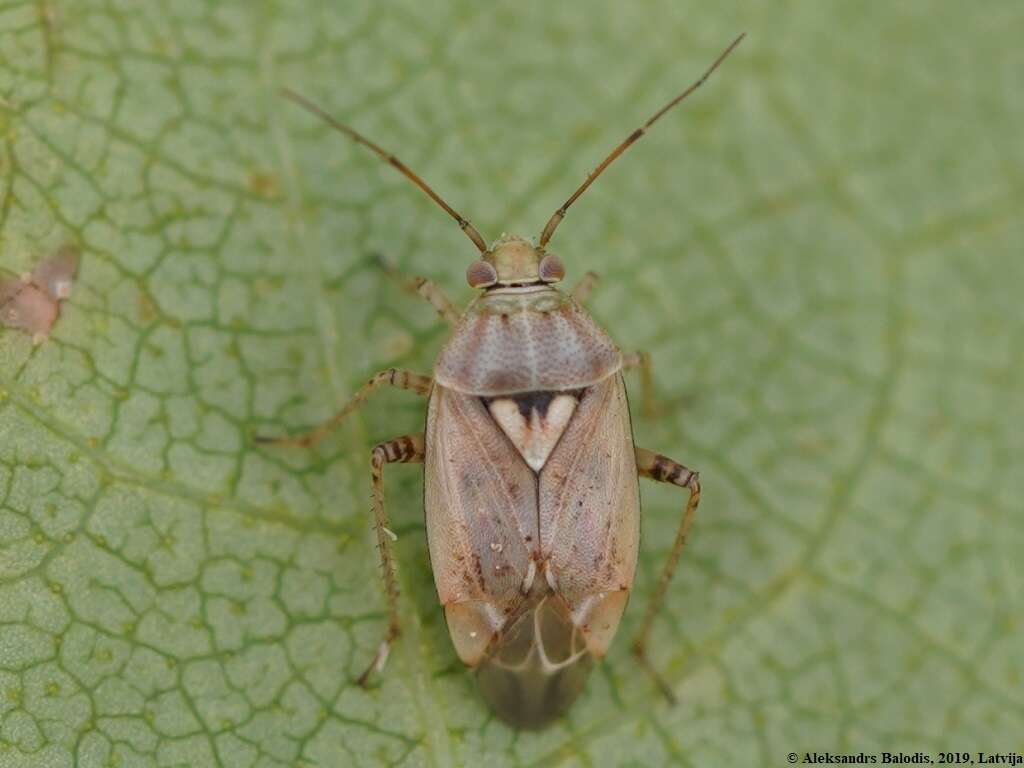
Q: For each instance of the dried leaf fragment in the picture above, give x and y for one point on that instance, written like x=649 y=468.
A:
x=31 y=303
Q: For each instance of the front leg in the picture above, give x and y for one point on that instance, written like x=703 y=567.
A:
x=664 y=470
x=425 y=288
x=581 y=291
x=406 y=450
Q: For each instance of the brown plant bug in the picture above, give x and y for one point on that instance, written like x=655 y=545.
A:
x=531 y=476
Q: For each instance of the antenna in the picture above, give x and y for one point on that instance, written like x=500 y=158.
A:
x=557 y=216
x=383 y=154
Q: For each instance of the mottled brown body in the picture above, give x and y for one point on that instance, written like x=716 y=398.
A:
x=531 y=493
x=531 y=496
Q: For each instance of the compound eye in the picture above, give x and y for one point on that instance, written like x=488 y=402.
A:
x=551 y=269
x=480 y=274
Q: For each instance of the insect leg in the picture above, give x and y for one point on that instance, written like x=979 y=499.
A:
x=405 y=450
x=395 y=377
x=642 y=360
x=581 y=291
x=425 y=288
x=429 y=291
x=664 y=470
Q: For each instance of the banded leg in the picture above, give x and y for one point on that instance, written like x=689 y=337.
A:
x=664 y=470
x=395 y=377
x=425 y=288
x=405 y=450
x=581 y=291
x=642 y=360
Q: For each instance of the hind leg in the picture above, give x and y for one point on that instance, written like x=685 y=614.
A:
x=405 y=450
x=664 y=470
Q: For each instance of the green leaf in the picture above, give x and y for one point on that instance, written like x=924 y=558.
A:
x=821 y=250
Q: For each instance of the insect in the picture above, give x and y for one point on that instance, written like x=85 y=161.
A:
x=531 y=490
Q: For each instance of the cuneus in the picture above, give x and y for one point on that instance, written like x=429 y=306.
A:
x=531 y=475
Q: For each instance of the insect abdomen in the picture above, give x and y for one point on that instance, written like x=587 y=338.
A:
x=537 y=668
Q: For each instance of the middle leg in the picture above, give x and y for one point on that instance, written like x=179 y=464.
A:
x=642 y=360
x=395 y=377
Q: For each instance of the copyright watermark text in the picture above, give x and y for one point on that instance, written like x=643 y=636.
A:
x=905 y=758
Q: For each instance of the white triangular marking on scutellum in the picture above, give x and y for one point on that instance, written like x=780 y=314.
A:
x=534 y=436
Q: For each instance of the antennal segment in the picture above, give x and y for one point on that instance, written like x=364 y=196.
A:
x=557 y=216
x=389 y=158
